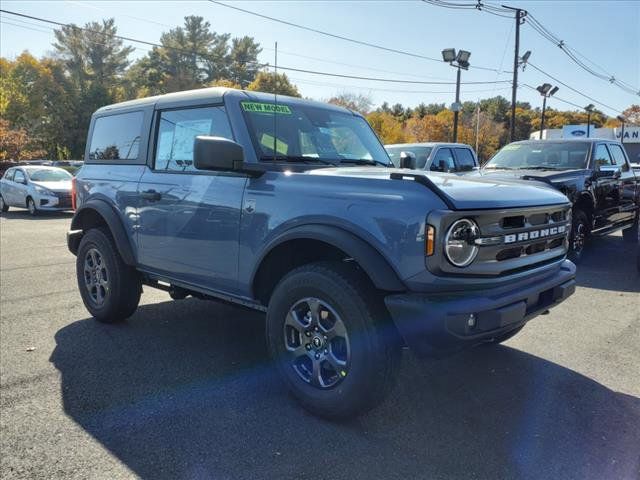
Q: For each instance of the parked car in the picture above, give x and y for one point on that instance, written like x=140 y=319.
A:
x=594 y=174
x=37 y=188
x=291 y=208
x=436 y=157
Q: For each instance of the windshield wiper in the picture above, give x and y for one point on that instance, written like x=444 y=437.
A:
x=493 y=167
x=295 y=159
x=364 y=161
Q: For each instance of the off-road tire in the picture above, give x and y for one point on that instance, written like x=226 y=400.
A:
x=124 y=286
x=579 y=226
x=374 y=341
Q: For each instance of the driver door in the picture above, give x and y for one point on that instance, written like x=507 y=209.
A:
x=605 y=186
x=189 y=219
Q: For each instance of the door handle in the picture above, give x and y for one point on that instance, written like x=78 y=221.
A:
x=151 y=195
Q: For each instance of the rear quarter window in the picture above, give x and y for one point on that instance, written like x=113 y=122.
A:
x=116 y=138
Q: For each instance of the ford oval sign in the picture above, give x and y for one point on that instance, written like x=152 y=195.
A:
x=578 y=133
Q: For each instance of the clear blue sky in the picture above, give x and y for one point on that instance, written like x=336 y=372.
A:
x=606 y=32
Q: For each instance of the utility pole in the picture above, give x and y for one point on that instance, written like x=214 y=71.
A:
x=520 y=14
x=477 y=124
x=456 y=112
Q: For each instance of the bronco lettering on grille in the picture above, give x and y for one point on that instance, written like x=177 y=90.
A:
x=535 y=234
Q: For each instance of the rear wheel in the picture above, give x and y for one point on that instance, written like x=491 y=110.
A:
x=110 y=289
x=578 y=237
x=3 y=206
x=31 y=206
x=330 y=337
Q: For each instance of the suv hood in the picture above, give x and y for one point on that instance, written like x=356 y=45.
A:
x=466 y=192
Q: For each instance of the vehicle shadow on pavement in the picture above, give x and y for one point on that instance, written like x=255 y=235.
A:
x=609 y=263
x=185 y=390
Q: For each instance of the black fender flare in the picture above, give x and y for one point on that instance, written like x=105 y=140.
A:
x=113 y=222
x=368 y=258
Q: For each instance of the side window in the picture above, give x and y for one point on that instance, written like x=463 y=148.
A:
x=601 y=157
x=177 y=132
x=464 y=160
x=19 y=177
x=116 y=137
x=443 y=161
x=618 y=157
x=9 y=175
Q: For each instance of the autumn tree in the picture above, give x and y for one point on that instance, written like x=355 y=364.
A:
x=632 y=114
x=388 y=128
x=274 y=83
x=353 y=101
x=15 y=144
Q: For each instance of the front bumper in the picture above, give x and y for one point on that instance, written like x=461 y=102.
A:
x=439 y=324
x=58 y=202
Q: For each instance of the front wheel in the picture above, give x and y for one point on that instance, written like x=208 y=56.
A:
x=329 y=334
x=4 y=207
x=110 y=289
x=31 y=206
x=578 y=237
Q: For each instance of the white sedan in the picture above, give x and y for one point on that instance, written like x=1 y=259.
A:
x=37 y=188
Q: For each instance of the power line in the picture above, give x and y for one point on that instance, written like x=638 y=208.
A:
x=573 y=54
x=339 y=37
x=555 y=97
x=617 y=110
x=538 y=27
x=256 y=64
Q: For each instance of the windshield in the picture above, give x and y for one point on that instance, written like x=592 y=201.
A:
x=311 y=134
x=421 y=153
x=540 y=155
x=46 y=175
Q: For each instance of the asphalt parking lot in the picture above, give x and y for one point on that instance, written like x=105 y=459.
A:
x=185 y=389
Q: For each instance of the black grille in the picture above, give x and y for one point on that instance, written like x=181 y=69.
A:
x=64 y=200
x=510 y=240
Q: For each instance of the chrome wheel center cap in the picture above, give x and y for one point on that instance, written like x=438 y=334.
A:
x=317 y=342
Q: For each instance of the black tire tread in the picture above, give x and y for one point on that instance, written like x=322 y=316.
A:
x=358 y=287
x=577 y=213
x=126 y=288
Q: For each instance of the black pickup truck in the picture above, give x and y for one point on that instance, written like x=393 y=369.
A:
x=595 y=174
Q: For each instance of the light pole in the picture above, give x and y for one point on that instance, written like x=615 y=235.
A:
x=546 y=91
x=460 y=61
x=622 y=120
x=589 y=108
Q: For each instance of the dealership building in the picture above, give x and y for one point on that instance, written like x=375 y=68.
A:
x=631 y=140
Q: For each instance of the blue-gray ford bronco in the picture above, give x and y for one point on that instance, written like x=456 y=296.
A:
x=293 y=208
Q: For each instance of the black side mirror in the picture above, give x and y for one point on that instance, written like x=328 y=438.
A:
x=407 y=160
x=608 y=171
x=217 y=153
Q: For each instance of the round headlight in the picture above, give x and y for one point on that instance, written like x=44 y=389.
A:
x=459 y=245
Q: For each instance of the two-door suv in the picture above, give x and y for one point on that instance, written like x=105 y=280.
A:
x=291 y=207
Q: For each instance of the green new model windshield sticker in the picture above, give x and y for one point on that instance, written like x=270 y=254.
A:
x=256 y=107
x=511 y=147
